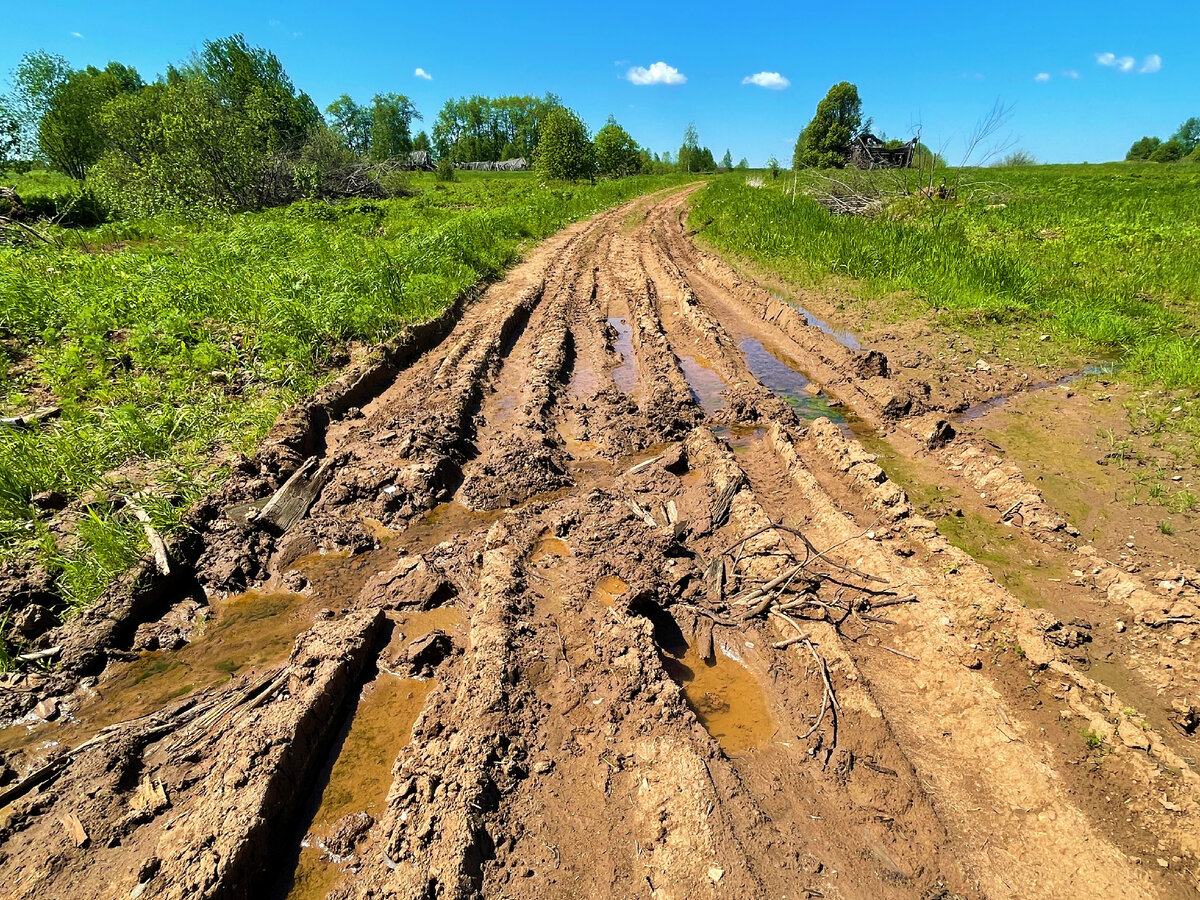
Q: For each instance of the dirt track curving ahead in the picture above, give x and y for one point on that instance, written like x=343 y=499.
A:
x=602 y=597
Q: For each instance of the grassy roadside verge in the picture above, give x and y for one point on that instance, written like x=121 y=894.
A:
x=1089 y=262
x=170 y=344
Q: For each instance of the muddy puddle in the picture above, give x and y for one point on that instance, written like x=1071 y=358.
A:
x=625 y=375
x=705 y=384
x=786 y=381
x=444 y=522
x=979 y=410
x=726 y=698
x=244 y=634
x=841 y=335
x=360 y=776
x=608 y=588
x=739 y=437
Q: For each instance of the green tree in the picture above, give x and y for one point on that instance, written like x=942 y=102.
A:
x=10 y=135
x=727 y=160
x=421 y=142
x=70 y=134
x=391 y=121
x=1168 y=152
x=226 y=130
x=743 y=163
x=689 y=150
x=1188 y=134
x=489 y=129
x=38 y=75
x=1143 y=148
x=564 y=150
x=826 y=140
x=616 y=151
x=352 y=122
x=773 y=167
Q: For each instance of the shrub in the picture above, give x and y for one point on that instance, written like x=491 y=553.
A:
x=1143 y=148
x=445 y=169
x=1168 y=152
x=564 y=150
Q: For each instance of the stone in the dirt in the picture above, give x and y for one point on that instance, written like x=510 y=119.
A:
x=1132 y=736
x=47 y=709
x=348 y=831
x=426 y=652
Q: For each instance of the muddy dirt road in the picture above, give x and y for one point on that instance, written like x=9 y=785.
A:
x=594 y=591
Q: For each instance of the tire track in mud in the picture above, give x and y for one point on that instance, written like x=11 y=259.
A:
x=613 y=716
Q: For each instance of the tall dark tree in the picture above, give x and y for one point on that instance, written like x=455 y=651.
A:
x=826 y=140
x=727 y=160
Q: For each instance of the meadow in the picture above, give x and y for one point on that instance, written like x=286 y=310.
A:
x=1062 y=265
x=171 y=344
x=1103 y=259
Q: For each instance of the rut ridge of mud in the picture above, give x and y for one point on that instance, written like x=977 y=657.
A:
x=664 y=646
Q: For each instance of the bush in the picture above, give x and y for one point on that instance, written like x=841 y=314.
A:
x=1169 y=152
x=564 y=150
x=1143 y=148
x=445 y=170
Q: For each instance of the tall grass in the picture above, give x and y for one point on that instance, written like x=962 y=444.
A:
x=170 y=341
x=1106 y=258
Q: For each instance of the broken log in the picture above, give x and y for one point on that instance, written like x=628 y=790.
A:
x=43 y=414
x=292 y=501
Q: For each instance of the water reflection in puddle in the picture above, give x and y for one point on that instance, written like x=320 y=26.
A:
x=361 y=774
x=726 y=698
x=625 y=375
x=786 y=382
x=706 y=385
x=841 y=335
x=979 y=410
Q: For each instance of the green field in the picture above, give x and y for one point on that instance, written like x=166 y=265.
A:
x=1105 y=259
x=170 y=343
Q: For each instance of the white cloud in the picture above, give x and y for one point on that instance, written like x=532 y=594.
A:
x=421 y=73
x=658 y=73
x=770 y=80
x=1126 y=64
x=1120 y=63
x=1070 y=73
x=1042 y=76
x=76 y=34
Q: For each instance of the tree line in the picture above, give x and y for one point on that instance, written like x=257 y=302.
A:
x=1183 y=145
x=228 y=129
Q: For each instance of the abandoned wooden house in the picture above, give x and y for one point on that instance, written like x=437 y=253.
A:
x=869 y=152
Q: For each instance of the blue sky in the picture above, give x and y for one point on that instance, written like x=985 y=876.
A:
x=1084 y=79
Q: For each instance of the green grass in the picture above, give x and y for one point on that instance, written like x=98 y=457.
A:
x=1103 y=259
x=171 y=343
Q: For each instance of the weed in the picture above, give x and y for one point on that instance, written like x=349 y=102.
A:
x=1166 y=527
x=1093 y=740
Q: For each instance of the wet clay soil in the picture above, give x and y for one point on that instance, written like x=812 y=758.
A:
x=604 y=597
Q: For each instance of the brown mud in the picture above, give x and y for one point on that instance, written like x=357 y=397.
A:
x=605 y=597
